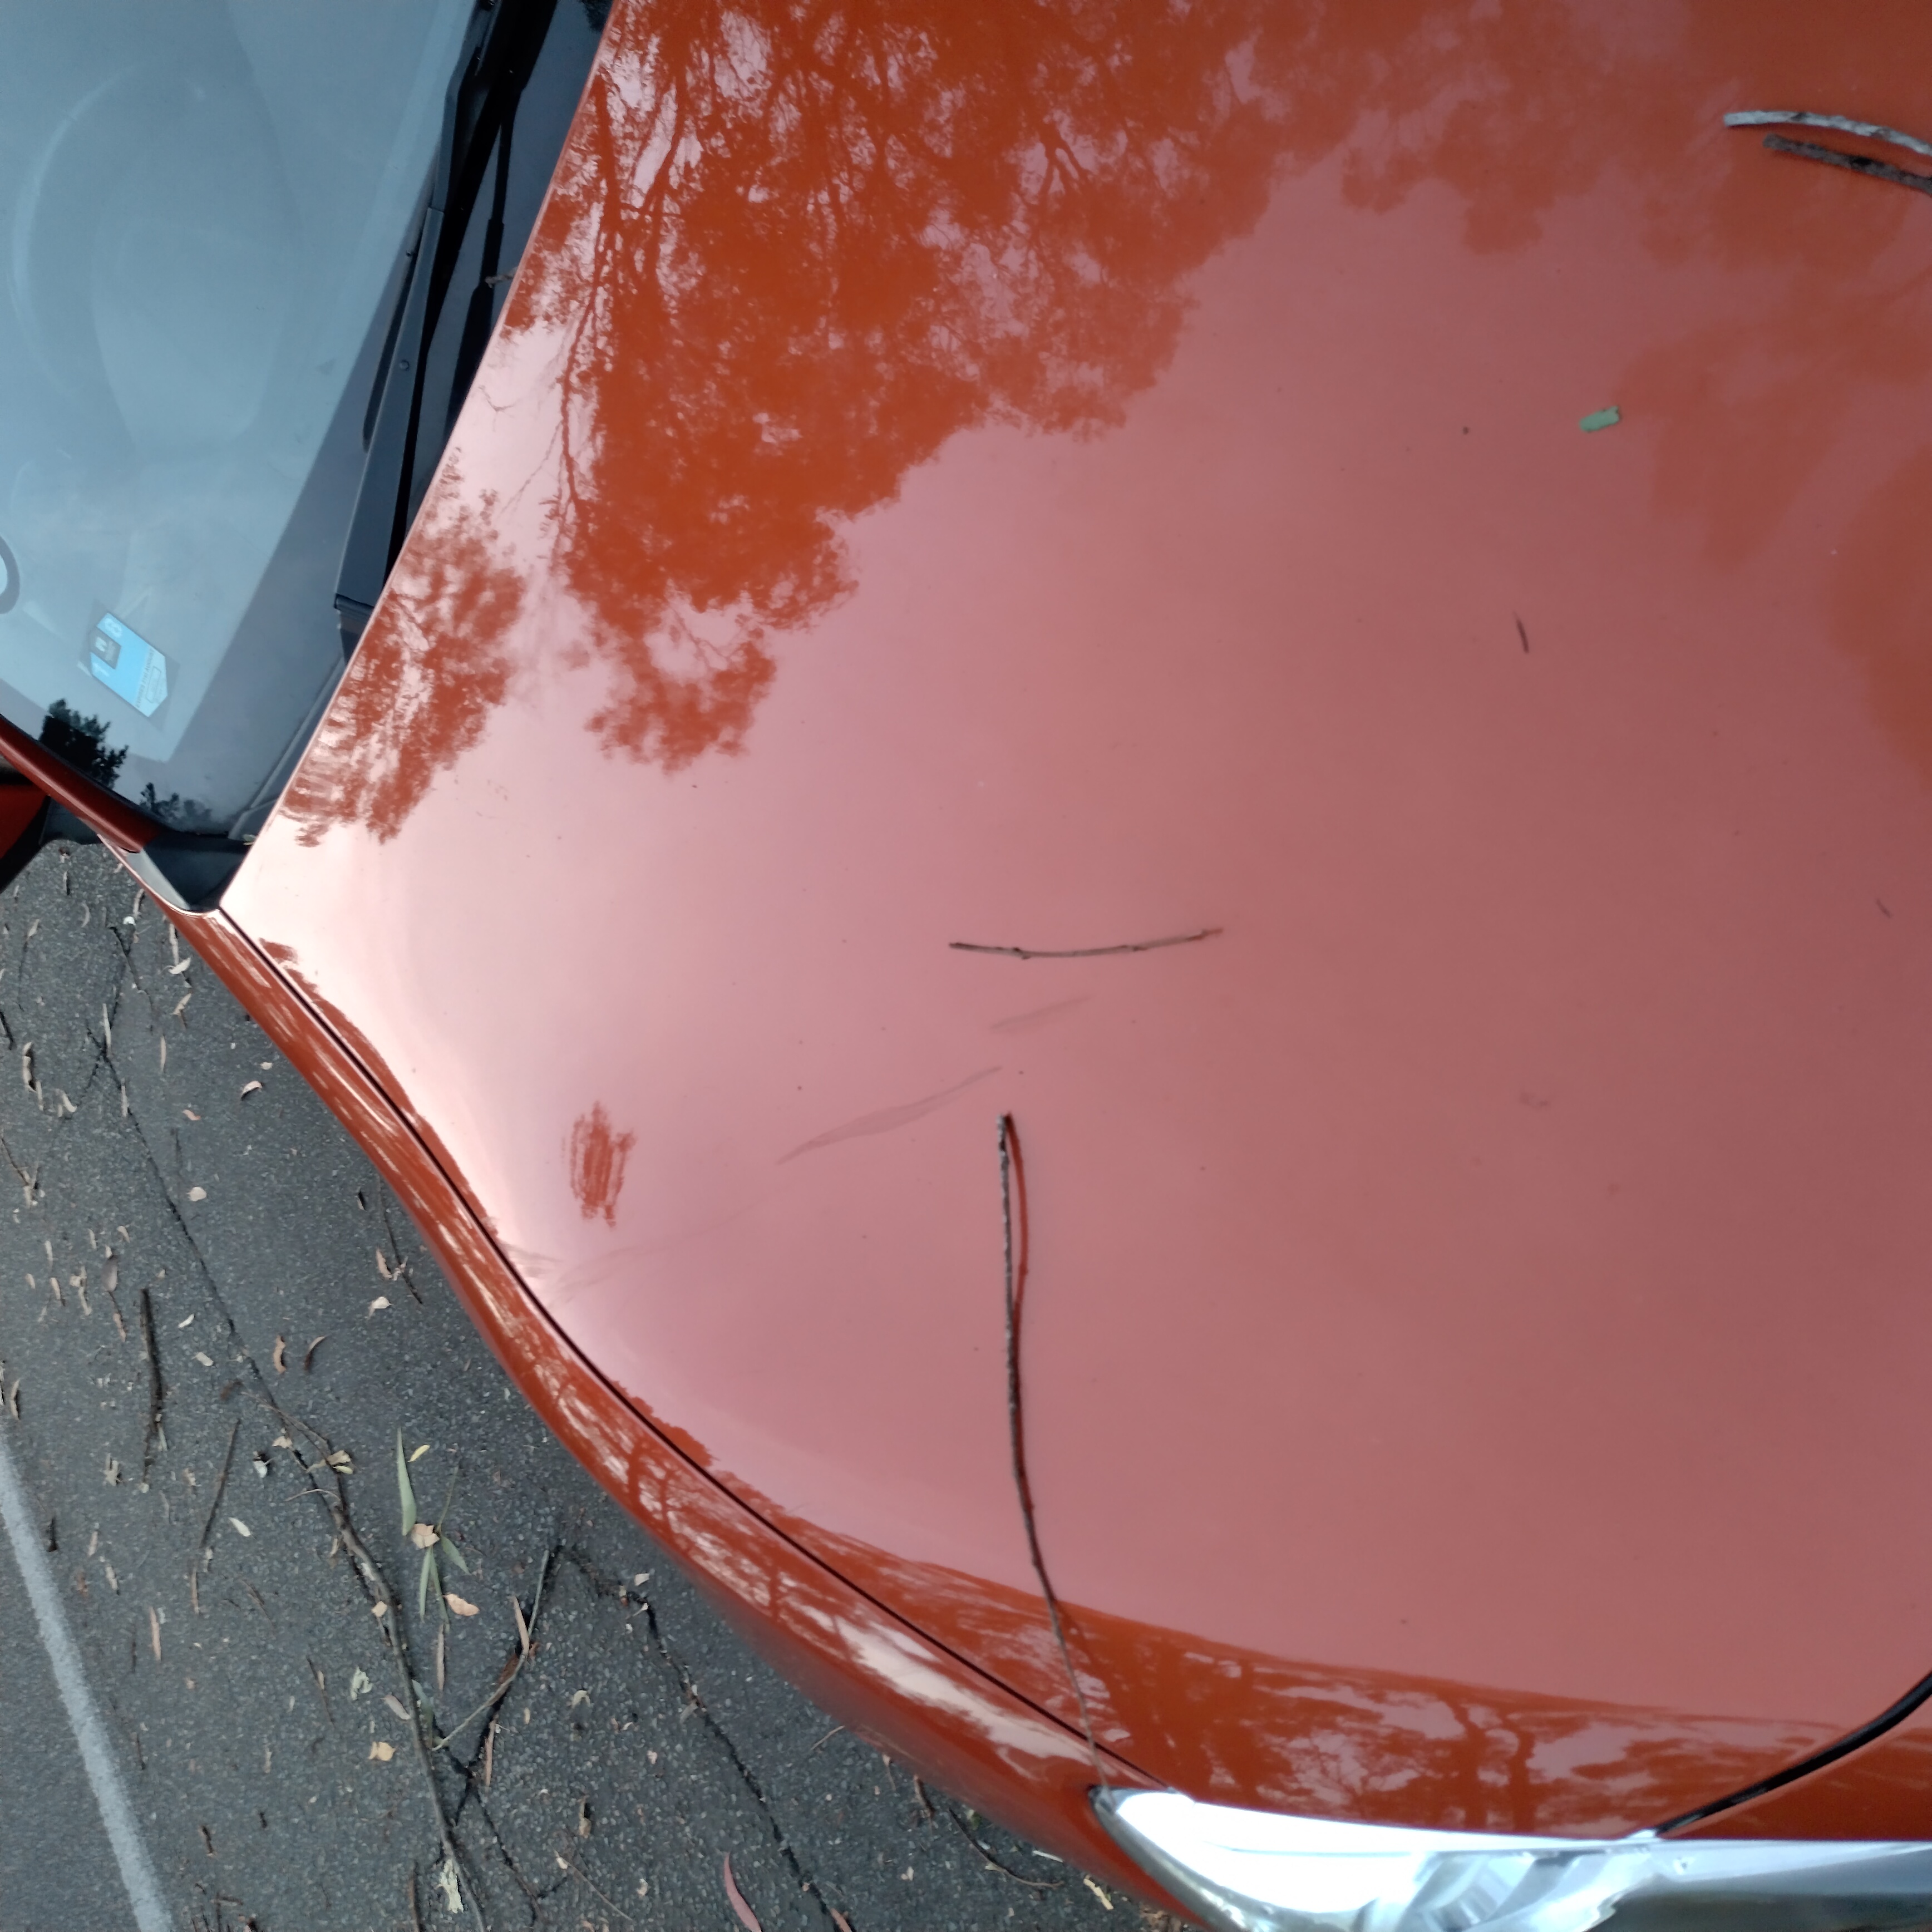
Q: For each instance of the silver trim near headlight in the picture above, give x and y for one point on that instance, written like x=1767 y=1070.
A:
x=1262 y=1871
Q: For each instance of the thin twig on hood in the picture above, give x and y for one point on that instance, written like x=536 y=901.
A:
x=1012 y=1208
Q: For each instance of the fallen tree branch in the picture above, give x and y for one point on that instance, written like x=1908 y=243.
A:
x=377 y=1584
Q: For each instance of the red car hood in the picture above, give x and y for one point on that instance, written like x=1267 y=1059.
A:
x=1078 y=483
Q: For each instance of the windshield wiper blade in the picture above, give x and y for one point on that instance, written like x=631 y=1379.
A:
x=499 y=53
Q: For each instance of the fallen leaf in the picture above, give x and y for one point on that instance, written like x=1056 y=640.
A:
x=1099 y=1893
x=418 y=1453
x=281 y=1355
x=339 y=1460
x=182 y=968
x=747 y=1917
x=190 y=1113
x=452 y=1892
x=197 y=1194
x=379 y=1609
x=423 y=1536
x=578 y=1697
x=381 y=1301
x=281 y=1442
x=358 y=1682
x=308 y=1359
x=260 y=1463
x=406 y=1489
x=381 y=1752
x=522 y=1628
x=241 y=1528
x=382 y=1266
x=154 y=1634
x=460 y=1605
x=206 y=1361
x=395 y=1704
x=253 y=1087
x=185 y=1321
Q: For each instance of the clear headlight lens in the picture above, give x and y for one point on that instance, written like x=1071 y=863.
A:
x=1259 y=1871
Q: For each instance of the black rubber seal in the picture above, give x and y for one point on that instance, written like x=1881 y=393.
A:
x=1844 y=1746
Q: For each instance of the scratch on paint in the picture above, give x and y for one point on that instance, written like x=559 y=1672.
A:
x=888 y=1118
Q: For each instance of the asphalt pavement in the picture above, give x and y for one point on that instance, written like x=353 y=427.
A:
x=211 y=1308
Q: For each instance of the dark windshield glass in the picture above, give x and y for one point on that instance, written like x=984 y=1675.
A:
x=209 y=208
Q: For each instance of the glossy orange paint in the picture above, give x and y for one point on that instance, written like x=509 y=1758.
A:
x=1884 y=1791
x=1056 y=479
x=882 y=1679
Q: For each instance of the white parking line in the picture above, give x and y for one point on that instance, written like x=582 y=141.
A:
x=97 y=1756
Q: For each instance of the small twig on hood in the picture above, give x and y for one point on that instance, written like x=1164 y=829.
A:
x=1086 y=951
x=1870 y=130
x=1013 y=1207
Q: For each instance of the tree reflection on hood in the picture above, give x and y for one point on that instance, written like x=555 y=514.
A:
x=794 y=246
x=791 y=249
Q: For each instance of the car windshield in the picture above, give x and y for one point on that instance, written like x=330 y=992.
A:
x=207 y=205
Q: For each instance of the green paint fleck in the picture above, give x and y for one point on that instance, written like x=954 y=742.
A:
x=1601 y=419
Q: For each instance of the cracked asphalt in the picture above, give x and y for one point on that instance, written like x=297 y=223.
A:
x=214 y=1323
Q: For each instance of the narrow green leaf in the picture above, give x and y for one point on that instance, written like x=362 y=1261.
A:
x=422 y=1581
x=462 y=1561
x=405 y=1487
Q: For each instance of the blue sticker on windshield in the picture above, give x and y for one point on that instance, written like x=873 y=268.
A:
x=129 y=666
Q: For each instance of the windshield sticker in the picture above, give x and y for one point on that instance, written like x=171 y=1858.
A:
x=129 y=666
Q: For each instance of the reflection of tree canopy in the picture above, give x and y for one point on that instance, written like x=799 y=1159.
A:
x=802 y=244
x=415 y=707
x=794 y=245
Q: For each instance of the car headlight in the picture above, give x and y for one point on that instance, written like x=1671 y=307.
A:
x=1260 y=1871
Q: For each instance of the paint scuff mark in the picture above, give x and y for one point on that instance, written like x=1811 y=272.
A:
x=888 y=1118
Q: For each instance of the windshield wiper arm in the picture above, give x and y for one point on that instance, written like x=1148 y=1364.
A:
x=479 y=110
